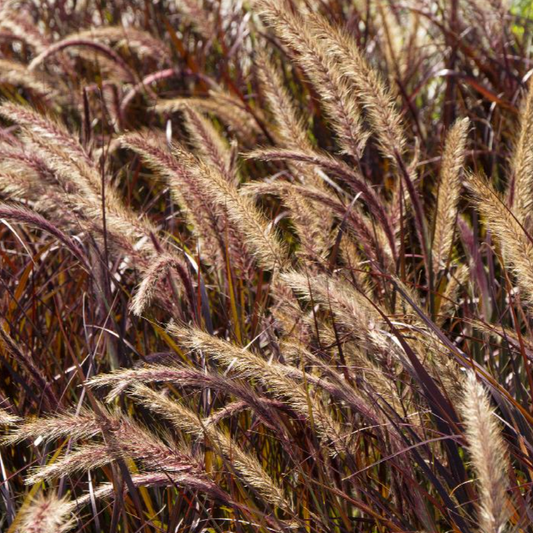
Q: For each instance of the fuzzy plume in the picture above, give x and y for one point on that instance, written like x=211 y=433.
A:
x=283 y=380
x=156 y=273
x=18 y=75
x=324 y=73
x=515 y=243
x=46 y=514
x=448 y=193
x=136 y=41
x=376 y=99
x=489 y=456
x=291 y=127
x=185 y=420
x=522 y=163
x=7 y=419
x=226 y=107
x=209 y=144
x=258 y=234
x=187 y=190
x=83 y=424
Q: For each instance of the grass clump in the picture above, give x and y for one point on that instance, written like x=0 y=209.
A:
x=266 y=267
